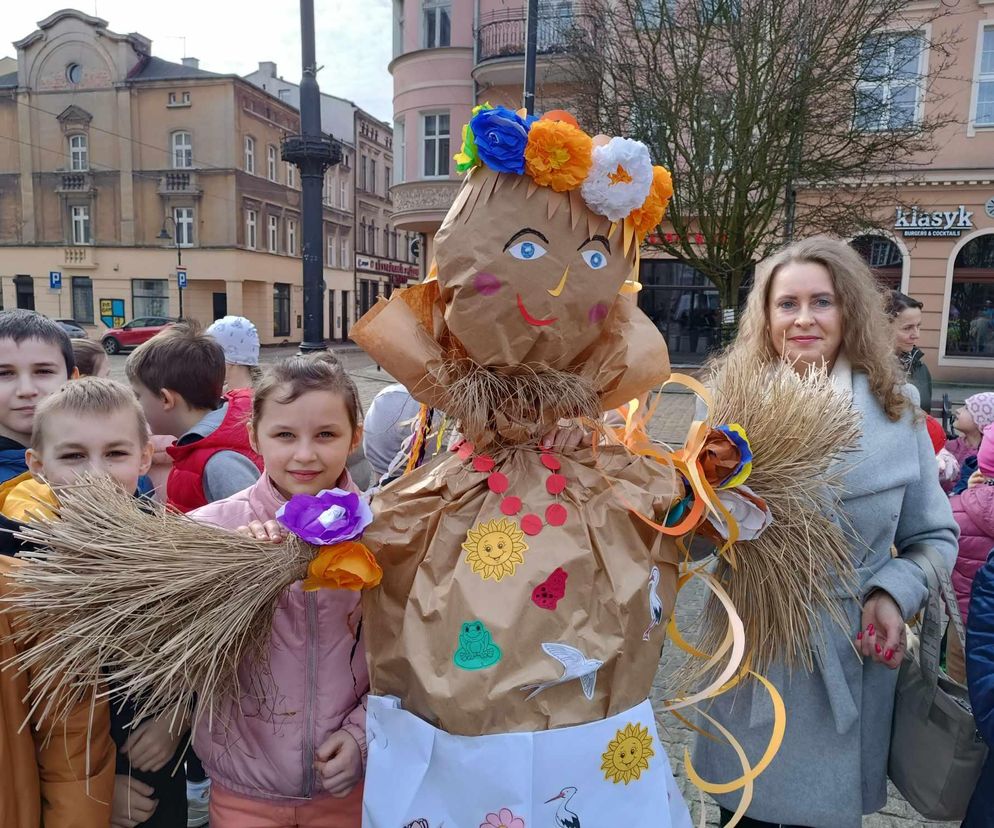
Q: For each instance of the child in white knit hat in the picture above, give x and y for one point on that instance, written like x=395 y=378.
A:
x=240 y=340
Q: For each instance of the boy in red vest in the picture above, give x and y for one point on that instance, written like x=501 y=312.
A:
x=178 y=376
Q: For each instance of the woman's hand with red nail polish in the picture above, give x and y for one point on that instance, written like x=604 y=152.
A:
x=885 y=638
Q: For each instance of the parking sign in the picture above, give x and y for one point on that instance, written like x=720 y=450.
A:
x=181 y=276
x=55 y=279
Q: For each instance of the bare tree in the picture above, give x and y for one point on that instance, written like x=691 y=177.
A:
x=777 y=118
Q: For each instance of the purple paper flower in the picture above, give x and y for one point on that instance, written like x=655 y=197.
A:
x=330 y=516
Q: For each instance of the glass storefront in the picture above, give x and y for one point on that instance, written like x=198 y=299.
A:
x=685 y=307
x=970 y=327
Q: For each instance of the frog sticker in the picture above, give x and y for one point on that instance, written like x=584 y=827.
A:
x=477 y=650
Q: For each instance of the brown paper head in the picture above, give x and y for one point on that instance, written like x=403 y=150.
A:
x=527 y=275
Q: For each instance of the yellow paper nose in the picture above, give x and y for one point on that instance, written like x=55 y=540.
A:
x=562 y=284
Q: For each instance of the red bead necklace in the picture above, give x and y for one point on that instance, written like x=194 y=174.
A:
x=510 y=505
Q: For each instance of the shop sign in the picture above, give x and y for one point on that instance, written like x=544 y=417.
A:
x=933 y=224
x=399 y=272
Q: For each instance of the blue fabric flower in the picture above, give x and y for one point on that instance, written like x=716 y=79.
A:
x=331 y=516
x=501 y=136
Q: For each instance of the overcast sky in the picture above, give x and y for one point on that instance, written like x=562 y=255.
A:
x=354 y=37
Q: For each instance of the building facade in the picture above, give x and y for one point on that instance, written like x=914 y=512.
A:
x=359 y=232
x=126 y=165
x=450 y=56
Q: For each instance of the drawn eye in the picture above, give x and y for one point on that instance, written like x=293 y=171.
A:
x=527 y=251
x=595 y=259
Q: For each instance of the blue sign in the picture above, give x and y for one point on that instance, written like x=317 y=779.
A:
x=181 y=277
x=55 y=279
x=112 y=312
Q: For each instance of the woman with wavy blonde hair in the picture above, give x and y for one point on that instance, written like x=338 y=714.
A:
x=815 y=304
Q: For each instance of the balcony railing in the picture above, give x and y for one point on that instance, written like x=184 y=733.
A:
x=76 y=182
x=79 y=257
x=502 y=33
x=178 y=183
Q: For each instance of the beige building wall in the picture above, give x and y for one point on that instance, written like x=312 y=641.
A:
x=76 y=77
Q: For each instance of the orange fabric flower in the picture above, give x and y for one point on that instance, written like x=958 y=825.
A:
x=650 y=214
x=346 y=565
x=558 y=155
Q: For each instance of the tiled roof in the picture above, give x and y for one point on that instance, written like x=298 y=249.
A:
x=153 y=68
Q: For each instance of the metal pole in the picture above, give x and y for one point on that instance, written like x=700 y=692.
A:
x=179 y=264
x=311 y=178
x=531 y=46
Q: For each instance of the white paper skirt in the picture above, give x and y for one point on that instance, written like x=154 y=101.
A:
x=614 y=772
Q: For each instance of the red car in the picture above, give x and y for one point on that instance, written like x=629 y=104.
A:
x=134 y=333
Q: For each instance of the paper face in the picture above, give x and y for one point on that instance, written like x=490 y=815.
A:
x=521 y=286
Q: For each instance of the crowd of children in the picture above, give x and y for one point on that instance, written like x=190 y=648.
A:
x=246 y=441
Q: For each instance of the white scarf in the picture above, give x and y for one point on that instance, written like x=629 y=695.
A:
x=842 y=373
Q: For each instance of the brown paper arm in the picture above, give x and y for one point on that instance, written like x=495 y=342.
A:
x=391 y=333
x=628 y=359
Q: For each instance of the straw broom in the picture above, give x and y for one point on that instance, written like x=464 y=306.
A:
x=148 y=601
x=799 y=428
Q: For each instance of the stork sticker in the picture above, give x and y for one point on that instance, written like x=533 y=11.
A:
x=565 y=818
x=655 y=604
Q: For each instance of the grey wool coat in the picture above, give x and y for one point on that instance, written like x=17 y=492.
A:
x=832 y=766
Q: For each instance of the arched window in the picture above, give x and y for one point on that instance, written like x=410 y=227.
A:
x=884 y=258
x=79 y=153
x=271 y=163
x=970 y=328
x=250 y=154
x=182 y=151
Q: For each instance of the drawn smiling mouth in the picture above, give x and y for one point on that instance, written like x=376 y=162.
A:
x=531 y=320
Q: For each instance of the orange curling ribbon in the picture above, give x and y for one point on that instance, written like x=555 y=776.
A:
x=346 y=565
x=750 y=774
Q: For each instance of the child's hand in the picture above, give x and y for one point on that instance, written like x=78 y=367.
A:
x=151 y=745
x=976 y=479
x=339 y=764
x=133 y=803
x=270 y=530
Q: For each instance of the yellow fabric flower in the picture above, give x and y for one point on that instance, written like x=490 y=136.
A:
x=558 y=155
x=650 y=214
x=346 y=565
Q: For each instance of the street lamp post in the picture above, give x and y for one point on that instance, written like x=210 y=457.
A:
x=164 y=236
x=312 y=152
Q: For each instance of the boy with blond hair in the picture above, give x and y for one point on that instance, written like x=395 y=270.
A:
x=178 y=376
x=95 y=428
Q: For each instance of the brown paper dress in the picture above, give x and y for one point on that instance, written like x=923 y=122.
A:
x=523 y=326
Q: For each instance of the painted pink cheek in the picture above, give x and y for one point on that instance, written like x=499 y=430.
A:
x=486 y=284
x=598 y=313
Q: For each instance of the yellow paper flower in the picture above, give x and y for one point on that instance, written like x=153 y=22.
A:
x=346 y=565
x=558 y=155
x=627 y=754
x=650 y=214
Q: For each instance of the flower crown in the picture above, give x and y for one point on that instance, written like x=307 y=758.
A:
x=615 y=176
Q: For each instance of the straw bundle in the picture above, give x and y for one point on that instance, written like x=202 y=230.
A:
x=147 y=601
x=509 y=408
x=799 y=428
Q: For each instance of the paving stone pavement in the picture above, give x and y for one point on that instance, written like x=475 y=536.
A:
x=670 y=424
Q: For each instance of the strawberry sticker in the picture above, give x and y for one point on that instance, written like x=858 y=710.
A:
x=548 y=593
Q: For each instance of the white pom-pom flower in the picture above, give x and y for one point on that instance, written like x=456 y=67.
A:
x=619 y=179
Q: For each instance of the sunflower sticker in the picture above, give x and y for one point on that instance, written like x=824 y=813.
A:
x=627 y=754
x=494 y=548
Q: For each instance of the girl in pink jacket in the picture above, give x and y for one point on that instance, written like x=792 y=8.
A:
x=292 y=752
x=974 y=512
